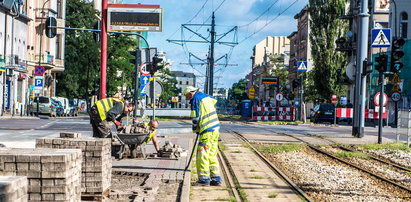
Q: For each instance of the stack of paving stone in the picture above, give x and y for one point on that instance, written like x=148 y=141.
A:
x=53 y=174
x=13 y=188
x=171 y=150
x=96 y=165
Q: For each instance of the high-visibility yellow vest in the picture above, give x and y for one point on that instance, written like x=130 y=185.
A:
x=208 y=118
x=104 y=105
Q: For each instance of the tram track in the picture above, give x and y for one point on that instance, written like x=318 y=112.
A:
x=318 y=150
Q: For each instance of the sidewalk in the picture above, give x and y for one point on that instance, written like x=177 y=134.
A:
x=9 y=116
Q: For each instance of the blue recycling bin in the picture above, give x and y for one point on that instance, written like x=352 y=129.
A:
x=246 y=108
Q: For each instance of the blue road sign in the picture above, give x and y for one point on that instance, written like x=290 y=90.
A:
x=144 y=80
x=381 y=38
x=302 y=66
x=38 y=82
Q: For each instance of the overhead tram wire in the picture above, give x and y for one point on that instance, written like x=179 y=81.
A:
x=268 y=9
x=272 y=20
x=198 y=12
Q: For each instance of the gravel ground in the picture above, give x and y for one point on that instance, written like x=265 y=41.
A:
x=383 y=169
x=326 y=180
x=399 y=157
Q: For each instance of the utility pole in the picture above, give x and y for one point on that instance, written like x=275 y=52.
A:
x=360 y=82
x=211 y=58
x=212 y=40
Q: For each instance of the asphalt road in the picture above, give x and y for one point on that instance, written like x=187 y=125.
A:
x=22 y=132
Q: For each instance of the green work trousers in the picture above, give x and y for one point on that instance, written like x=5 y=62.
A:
x=206 y=160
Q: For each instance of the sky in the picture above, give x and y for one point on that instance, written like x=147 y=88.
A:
x=255 y=19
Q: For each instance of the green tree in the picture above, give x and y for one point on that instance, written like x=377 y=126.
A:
x=238 y=91
x=119 y=68
x=280 y=71
x=169 y=82
x=325 y=28
x=81 y=52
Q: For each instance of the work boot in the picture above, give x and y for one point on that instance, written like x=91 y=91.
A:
x=202 y=182
x=216 y=181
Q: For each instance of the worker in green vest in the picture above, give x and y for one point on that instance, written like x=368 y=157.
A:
x=105 y=111
x=207 y=126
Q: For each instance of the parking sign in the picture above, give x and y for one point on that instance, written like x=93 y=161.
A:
x=38 y=82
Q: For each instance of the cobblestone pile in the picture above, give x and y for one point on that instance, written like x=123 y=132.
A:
x=171 y=150
x=96 y=155
x=53 y=174
x=13 y=188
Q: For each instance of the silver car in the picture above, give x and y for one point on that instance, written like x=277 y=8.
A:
x=46 y=106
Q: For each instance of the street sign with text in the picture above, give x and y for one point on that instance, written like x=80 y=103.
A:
x=396 y=96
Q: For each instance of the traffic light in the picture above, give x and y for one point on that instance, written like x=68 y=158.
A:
x=97 y=35
x=296 y=83
x=51 y=22
x=156 y=64
x=381 y=61
x=396 y=55
x=133 y=60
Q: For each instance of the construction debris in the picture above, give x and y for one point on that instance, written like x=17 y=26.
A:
x=170 y=150
x=135 y=128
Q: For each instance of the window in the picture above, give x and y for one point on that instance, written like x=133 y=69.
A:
x=403 y=24
x=186 y=82
x=181 y=82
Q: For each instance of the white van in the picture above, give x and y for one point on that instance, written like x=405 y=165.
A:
x=65 y=103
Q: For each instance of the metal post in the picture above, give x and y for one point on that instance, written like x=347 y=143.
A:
x=211 y=58
x=301 y=97
x=136 y=89
x=103 y=59
x=360 y=87
x=381 y=106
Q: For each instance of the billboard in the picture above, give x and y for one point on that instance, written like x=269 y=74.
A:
x=135 y=17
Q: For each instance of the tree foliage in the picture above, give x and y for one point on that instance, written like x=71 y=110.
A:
x=169 y=83
x=82 y=55
x=81 y=52
x=325 y=28
x=280 y=71
x=238 y=91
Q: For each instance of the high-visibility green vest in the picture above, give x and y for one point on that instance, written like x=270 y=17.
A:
x=104 y=105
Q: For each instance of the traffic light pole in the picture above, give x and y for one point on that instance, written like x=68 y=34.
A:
x=381 y=106
x=103 y=59
x=360 y=87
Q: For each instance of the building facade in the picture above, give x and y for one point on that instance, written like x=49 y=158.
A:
x=184 y=79
x=13 y=56
x=271 y=46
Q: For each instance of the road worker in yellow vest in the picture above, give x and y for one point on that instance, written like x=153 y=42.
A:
x=105 y=111
x=207 y=126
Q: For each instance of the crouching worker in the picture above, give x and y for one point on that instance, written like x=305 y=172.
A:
x=153 y=124
x=207 y=125
x=105 y=111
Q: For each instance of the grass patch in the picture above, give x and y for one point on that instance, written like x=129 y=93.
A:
x=276 y=149
x=237 y=151
x=407 y=172
x=242 y=193
x=232 y=199
x=352 y=154
x=253 y=170
x=257 y=177
x=391 y=146
x=222 y=146
x=272 y=195
x=225 y=117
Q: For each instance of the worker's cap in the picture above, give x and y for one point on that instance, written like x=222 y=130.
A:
x=190 y=89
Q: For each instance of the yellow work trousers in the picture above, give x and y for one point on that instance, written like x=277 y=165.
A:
x=206 y=160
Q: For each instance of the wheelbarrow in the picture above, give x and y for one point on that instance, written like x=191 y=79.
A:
x=134 y=142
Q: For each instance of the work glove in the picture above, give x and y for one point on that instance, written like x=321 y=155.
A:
x=118 y=123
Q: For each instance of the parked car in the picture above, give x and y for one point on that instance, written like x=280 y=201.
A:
x=45 y=106
x=323 y=112
x=59 y=107
x=65 y=105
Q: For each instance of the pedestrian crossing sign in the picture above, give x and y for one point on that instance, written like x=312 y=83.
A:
x=302 y=66
x=381 y=38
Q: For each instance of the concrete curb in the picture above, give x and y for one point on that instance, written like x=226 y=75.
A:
x=185 y=189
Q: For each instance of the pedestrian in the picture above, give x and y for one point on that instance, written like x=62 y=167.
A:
x=207 y=126
x=105 y=111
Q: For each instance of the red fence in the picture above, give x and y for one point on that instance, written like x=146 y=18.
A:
x=369 y=113
x=274 y=113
